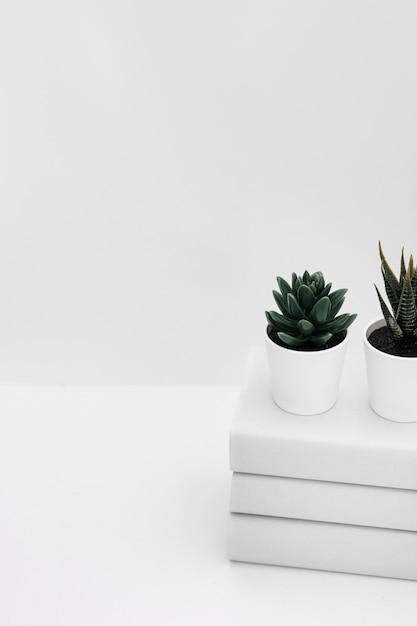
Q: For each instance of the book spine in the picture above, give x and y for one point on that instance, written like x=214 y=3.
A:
x=317 y=460
x=324 y=501
x=323 y=546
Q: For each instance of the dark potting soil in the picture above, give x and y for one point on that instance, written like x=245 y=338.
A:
x=382 y=340
x=333 y=341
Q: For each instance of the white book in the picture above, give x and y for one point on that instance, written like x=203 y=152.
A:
x=347 y=444
x=323 y=501
x=323 y=546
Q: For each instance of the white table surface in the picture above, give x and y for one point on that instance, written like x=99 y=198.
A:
x=113 y=511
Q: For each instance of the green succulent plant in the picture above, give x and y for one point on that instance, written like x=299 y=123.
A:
x=309 y=311
x=402 y=294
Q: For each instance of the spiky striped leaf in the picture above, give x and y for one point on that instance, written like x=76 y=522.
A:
x=412 y=272
x=403 y=269
x=410 y=268
x=407 y=312
x=414 y=282
x=392 y=324
x=393 y=293
x=392 y=284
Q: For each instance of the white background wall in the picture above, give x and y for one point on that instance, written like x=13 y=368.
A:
x=162 y=161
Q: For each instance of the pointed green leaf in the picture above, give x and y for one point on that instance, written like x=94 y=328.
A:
x=320 y=311
x=305 y=328
x=294 y=308
x=279 y=322
x=306 y=297
x=349 y=320
x=293 y=281
x=269 y=318
x=325 y=291
x=306 y=278
x=281 y=302
x=340 y=323
x=337 y=298
x=319 y=278
x=290 y=340
x=284 y=286
x=337 y=295
x=296 y=282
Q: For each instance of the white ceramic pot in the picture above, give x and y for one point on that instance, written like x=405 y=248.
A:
x=391 y=381
x=305 y=383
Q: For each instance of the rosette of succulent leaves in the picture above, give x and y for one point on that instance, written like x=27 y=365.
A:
x=401 y=293
x=309 y=309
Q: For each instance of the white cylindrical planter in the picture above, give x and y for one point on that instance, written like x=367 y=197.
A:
x=305 y=382
x=392 y=381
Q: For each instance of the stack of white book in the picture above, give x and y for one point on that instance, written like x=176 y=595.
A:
x=336 y=491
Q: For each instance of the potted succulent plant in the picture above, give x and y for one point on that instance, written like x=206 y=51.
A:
x=391 y=345
x=306 y=343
